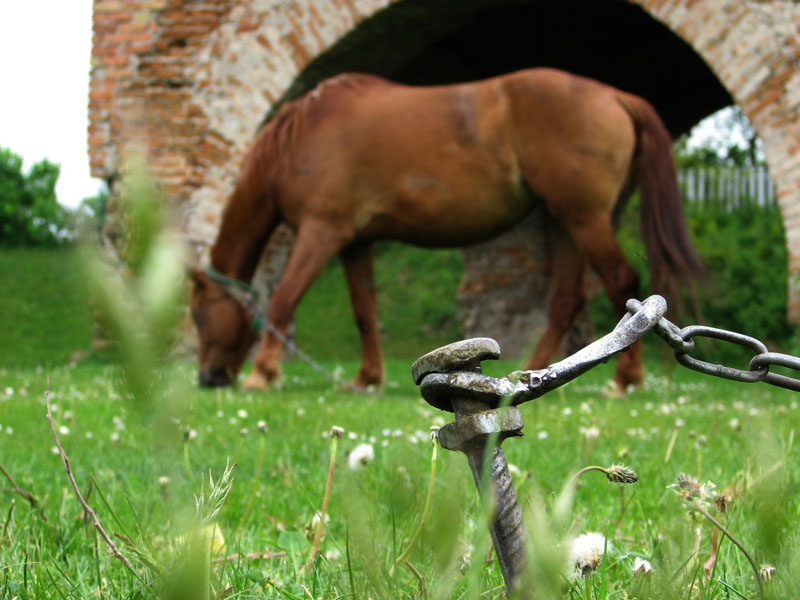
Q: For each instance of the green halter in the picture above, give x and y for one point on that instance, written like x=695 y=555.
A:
x=234 y=288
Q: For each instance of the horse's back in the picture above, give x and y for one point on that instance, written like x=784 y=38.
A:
x=392 y=160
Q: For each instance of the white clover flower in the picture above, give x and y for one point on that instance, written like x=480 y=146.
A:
x=587 y=551
x=315 y=519
x=542 y=435
x=641 y=567
x=567 y=411
x=590 y=433
x=63 y=430
x=679 y=423
x=360 y=456
x=333 y=555
x=54 y=450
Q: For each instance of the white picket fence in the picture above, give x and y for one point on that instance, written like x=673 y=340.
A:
x=728 y=188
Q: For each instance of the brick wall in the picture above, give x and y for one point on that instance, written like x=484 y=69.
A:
x=189 y=81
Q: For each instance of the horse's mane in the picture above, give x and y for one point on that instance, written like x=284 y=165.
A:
x=274 y=146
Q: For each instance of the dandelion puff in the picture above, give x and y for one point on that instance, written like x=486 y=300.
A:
x=242 y=413
x=542 y=435
x=63 y=430
x=587 y=552
x=361 y=455
x=262 y=426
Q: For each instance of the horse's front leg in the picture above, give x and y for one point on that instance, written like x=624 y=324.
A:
x=314 y=246
x=357 y=262
x=567 y=299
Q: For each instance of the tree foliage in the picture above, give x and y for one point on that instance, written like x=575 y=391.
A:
x=30 y=214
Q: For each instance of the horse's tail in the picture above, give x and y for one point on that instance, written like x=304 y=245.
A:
x=672 y=257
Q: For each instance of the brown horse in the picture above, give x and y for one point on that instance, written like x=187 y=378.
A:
x=361 y=159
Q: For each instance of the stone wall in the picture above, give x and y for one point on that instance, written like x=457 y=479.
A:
x=188 y=82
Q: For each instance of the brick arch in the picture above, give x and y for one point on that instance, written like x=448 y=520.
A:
x=190 y=81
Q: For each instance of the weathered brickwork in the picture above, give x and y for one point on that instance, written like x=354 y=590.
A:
x=189 y=81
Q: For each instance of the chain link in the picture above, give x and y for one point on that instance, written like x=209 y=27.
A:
x=681 y=340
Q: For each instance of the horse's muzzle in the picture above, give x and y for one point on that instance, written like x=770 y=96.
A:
x=214 y=378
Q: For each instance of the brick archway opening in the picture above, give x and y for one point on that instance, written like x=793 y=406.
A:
x=614 y=41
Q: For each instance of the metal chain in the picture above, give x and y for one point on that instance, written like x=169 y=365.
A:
x=681 y=340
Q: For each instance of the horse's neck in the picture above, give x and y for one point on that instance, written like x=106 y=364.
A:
x=242 y=235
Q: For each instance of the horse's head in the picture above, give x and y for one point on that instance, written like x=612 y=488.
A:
x=225 y=329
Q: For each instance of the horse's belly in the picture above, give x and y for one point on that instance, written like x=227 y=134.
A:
x=440 y=218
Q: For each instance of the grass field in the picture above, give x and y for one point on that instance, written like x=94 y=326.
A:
x=143 y=467
x=144 y=463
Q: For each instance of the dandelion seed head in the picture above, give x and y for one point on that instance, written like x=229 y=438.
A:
x=587 y=551
x=766 y=572
x=434 y=434
x=63 y=430
x=360 y=456
x=337 y=431
x=262 y=426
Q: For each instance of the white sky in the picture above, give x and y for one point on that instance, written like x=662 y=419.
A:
x=45 y=47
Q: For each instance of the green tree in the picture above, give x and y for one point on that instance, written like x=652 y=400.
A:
x=30 y=214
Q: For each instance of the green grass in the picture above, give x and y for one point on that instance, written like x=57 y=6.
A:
x=143 y=467
x=44 y=307
x=374 y=511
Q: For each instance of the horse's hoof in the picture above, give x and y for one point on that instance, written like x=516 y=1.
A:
x=255 y=382
x=364 y=383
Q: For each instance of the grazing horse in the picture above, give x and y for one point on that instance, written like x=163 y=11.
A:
x=360 y=159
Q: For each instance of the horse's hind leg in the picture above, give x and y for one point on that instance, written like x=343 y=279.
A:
x=357 y=262
x=315 y=245
x=567 y=299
